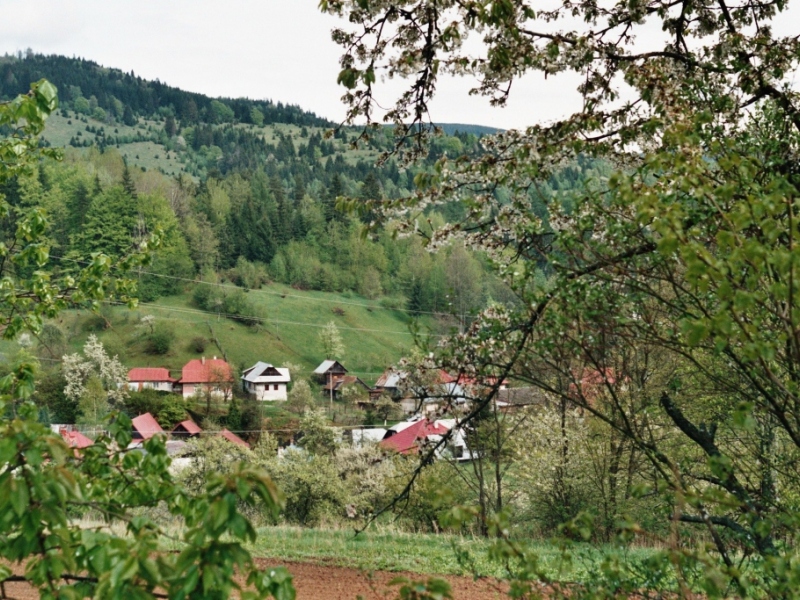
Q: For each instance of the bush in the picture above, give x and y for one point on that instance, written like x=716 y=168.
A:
x=160 y=340
x=171 y=412
x=393 y=302
x=251 y=275
x=198 y=344
x=144 y=401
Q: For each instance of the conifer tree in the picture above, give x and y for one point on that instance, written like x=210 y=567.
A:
x=78 y=206
x=370 y=192
x=170 y=127
x=335 y=189
x=284 y=225
x=127 y=183
x=299 y=188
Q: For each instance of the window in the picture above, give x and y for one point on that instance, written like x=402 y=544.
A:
x=276 y=387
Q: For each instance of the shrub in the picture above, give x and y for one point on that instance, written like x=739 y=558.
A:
x=160 y=340
x=171 y=412
x=393 y=302
x=198 y=344
x=248 y=274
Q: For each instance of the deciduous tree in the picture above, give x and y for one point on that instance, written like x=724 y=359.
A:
x=688 y=245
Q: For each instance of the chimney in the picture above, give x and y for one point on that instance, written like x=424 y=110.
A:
x=203 y=360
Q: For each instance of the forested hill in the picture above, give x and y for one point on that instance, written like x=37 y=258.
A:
x=125 y=95
x=245 y=195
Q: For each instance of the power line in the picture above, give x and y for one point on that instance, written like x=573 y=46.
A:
x=265 y=319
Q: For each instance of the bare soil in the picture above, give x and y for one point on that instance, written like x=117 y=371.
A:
x=327 y=582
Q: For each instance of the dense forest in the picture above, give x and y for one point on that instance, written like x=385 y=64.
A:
x=253 y=199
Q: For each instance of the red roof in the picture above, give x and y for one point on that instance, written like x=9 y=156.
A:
x=405 y=442
x=209 y=370
x=189 y=427
x=593 y=383
x=146 y=426
x=149 y=374
x=445 y=377
x=232 y=437
x=75 y=439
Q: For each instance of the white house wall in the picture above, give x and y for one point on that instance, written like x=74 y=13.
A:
x=270 y=394
x=161 y=386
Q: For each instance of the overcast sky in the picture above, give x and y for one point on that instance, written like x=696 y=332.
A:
x=276 y=49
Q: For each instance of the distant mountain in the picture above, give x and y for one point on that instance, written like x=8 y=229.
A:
x=479 y=130
x=113 y=90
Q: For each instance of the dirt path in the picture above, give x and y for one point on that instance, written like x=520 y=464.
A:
x=326 y=582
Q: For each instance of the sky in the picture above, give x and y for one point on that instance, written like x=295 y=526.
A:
x=262 y=49
x=275 y=49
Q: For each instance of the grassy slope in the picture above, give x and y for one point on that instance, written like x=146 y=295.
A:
x=378 y=337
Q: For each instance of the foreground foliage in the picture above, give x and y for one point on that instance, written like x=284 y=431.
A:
x=45 y=485
x=660 y=299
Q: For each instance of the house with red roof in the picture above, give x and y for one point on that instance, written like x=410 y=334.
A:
x=206 y=375
x=186 y=429
x=232 y=437
x=75 y=439
x=145 y=426
x=592 y=384
x=414 y=436
x=150 y=378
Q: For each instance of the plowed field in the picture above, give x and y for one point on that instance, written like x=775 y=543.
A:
x=323 y=582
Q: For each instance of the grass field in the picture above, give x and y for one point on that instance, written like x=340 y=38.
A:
x=427 y=553
x=374 y=337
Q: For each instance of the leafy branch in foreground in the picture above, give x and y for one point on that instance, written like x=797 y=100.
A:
x=45 y=486
x=661 y=298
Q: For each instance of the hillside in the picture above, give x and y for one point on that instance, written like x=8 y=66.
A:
x=122 y=95
x=374 y=336
x=245 y=194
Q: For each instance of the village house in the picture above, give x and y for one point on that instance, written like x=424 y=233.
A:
x=330 y=371
x=144 y=427
x=232 y=437
x=408 y=437
x=207 y=375
x=266 y=382
x=388 y=383
x=339 y=387
x=186 y=429
x=75 y=439
x=150 y=378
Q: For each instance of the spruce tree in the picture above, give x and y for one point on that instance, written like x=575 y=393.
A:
x=78 y=206
x=127 y=117
x=284 y=226
x=127 y=183
x=335 y=189
x=97 y=189
x=170 y=127
x=299 y=188
x=370 y=192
